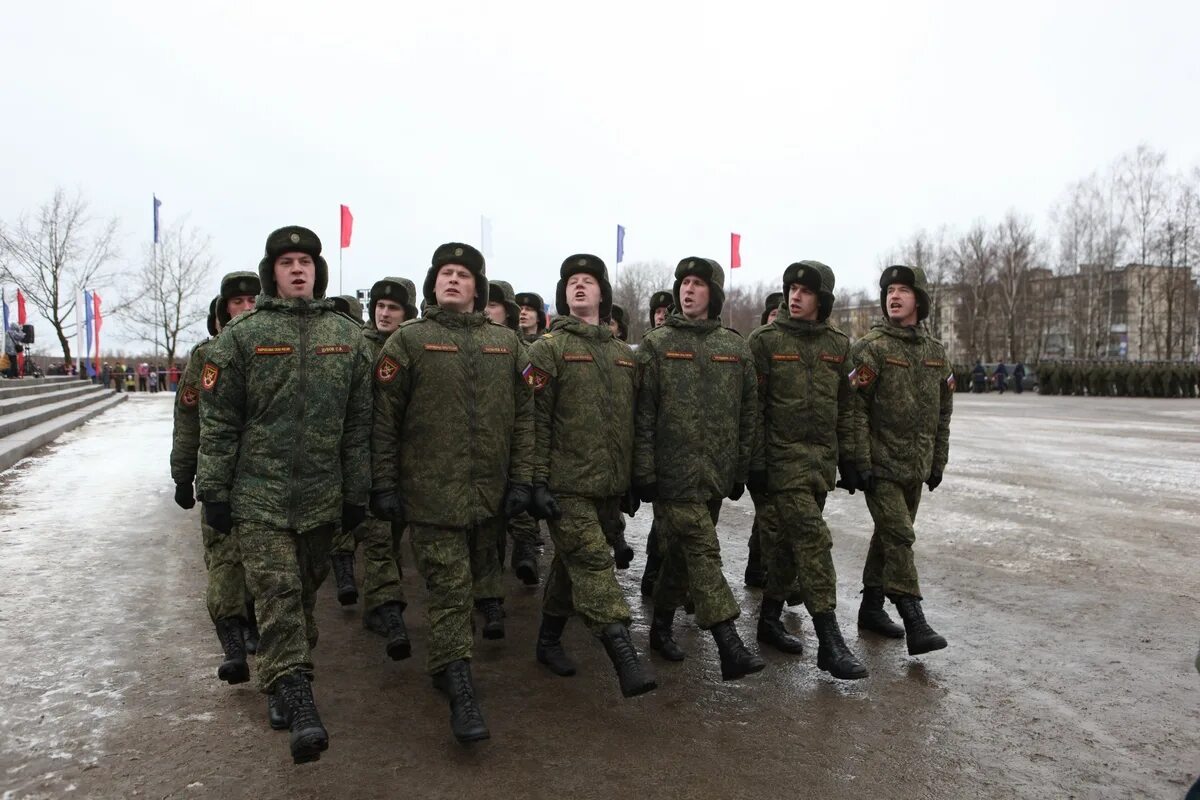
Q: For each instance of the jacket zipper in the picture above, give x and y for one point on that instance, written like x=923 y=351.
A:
x=301 y=401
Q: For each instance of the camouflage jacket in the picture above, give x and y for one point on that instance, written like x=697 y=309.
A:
x=285 y=415
x=902 y=401
x=804 y=398
x=185 y=439
x=375 y=340
x=453 y=418
x=584 y=385
x=696 y=425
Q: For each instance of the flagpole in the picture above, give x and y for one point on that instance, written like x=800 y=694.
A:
x=340 y=249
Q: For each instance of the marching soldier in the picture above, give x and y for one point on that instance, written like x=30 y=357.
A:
x=451 y=456
x=230 y=606
x=697 y=427
x=755 y=576
x=804 y=396
x=903 y=398
x=660 y=306
x=533 y=315
x=584 y=380
x=285 y=414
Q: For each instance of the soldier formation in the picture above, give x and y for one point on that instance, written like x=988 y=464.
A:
x=306 y=436
x=1119 y=378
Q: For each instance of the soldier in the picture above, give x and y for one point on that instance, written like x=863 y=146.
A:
x=660 y=307
x=349 y=305
x=451 y=455
x=903 y=398
x=230 y=606
x=1065 y=373
x=504 y=309
x=1000 y=377
x=618 y=323
x=755 y=576
x=584 y=381
x=344 y=542
x=979 y=377
x=804 y=398
x=533 y=315
x=285 y=414
x=1019 y=378
x=389 y=304
x=697 y=427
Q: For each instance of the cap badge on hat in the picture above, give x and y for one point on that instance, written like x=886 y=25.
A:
x=583 y=262
x=458 y=251
x=691 y=264
x=295 y=238
x=893 y=272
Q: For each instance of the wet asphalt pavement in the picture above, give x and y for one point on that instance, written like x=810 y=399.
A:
x=1059 y=558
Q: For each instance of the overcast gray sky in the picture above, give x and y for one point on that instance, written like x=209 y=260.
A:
x=826 y=132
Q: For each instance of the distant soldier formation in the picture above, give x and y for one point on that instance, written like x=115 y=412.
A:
x=1079 y=378
x=463 y=417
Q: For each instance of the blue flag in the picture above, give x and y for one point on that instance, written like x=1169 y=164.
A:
x=620 y=243
x=157 y=203
x=88 y=324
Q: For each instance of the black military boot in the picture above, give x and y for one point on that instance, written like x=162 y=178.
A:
x=872 y=617
x=343 y=575
x=388 y=621
x=736 y=660
x=493 y=617
x=309 y=737
x=756 y=576
x=772 y=631
x=921 y=637
x=833 y=656
x=234 y=668
x=622 y=552
x=524 y=563
x=277 y=716
x=549 y=646
x=466 y=720
x=251 y=628
x=630 y=672
x=661 y=638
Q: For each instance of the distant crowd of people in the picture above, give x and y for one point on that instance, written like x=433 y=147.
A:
x=144 y=377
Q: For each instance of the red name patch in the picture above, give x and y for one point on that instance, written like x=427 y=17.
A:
x=442 y=348
x=208 y=378
x=934 y=362
x=386 y=370
x=785 y=357
x=832 y=359
x=678 y=354
x=896 y=362
x=577 y=357
x=726 y=359
x=274 y=350
x=330 y=349
x=496 y=351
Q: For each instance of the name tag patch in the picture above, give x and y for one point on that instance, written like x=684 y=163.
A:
x=330 y=349
x=492 y=350
x=896 y=362
x=934 y=362
x=785 y=356
x=680 y=354
x=726 y=359
x=577 y=357
x=442 y=348
x=622 y=362
x=274 y=350
x=832 y=359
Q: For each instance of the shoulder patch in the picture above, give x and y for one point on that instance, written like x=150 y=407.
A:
x=208 y=378
x=189 y=397
x=861 y=376
x=536 y=379
x=386 y=370
x=950 y=382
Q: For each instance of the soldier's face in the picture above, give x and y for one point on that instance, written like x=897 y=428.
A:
x=802 y=302
x=693 y=297
x=529 y=319
x=295 y=275
x=772 y=314
x=388 y=315
x=902 y=304
x=239 y=305
x=615 y=328
x=583 y=295
x=660 y=315
x=454 y=288
x=496 y=313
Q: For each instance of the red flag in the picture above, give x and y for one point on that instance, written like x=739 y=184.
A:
x=97 y=318
x=735 y=250
x=347 y=225
x=20 y=308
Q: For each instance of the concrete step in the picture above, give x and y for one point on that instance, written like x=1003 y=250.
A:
x=24 y=442
x=22 y=387
x=20 y=420
x=60 y=392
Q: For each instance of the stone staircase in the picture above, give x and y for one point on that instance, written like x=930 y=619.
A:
x=36 y=411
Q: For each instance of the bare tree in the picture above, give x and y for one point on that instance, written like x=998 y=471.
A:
x=1016 y=250
x=973 y=269
x=54 y=253
x=170 y=288
x=636 y=282
x=1144 y=189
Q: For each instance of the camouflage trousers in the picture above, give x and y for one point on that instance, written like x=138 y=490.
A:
x=762 y=531
x=226 y=595
x=284 y=569
x=447 y=560
x=890 y=561
x=524 y=528
x=487 y=565
x=582 y=578
x=692 y=562
x=802 y=552
x=382 y=568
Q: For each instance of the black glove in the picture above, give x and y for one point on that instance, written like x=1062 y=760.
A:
x=737 y=491
x=630 y=503
x=935 y=480
x=352 y=516
x=184 y=498
x=757 y=482
x=219 y=517
x=646 y=492
x=849 y=477
x=517 y=499
x=544 y=506
x=385 y=505
x=866 y=480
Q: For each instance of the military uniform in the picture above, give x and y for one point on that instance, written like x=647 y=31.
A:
x=285 y=413
x=902 y=401
x=654 y=550
x=804 y=398
x=765 y=521
x=452 y=443
x=697 y=427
